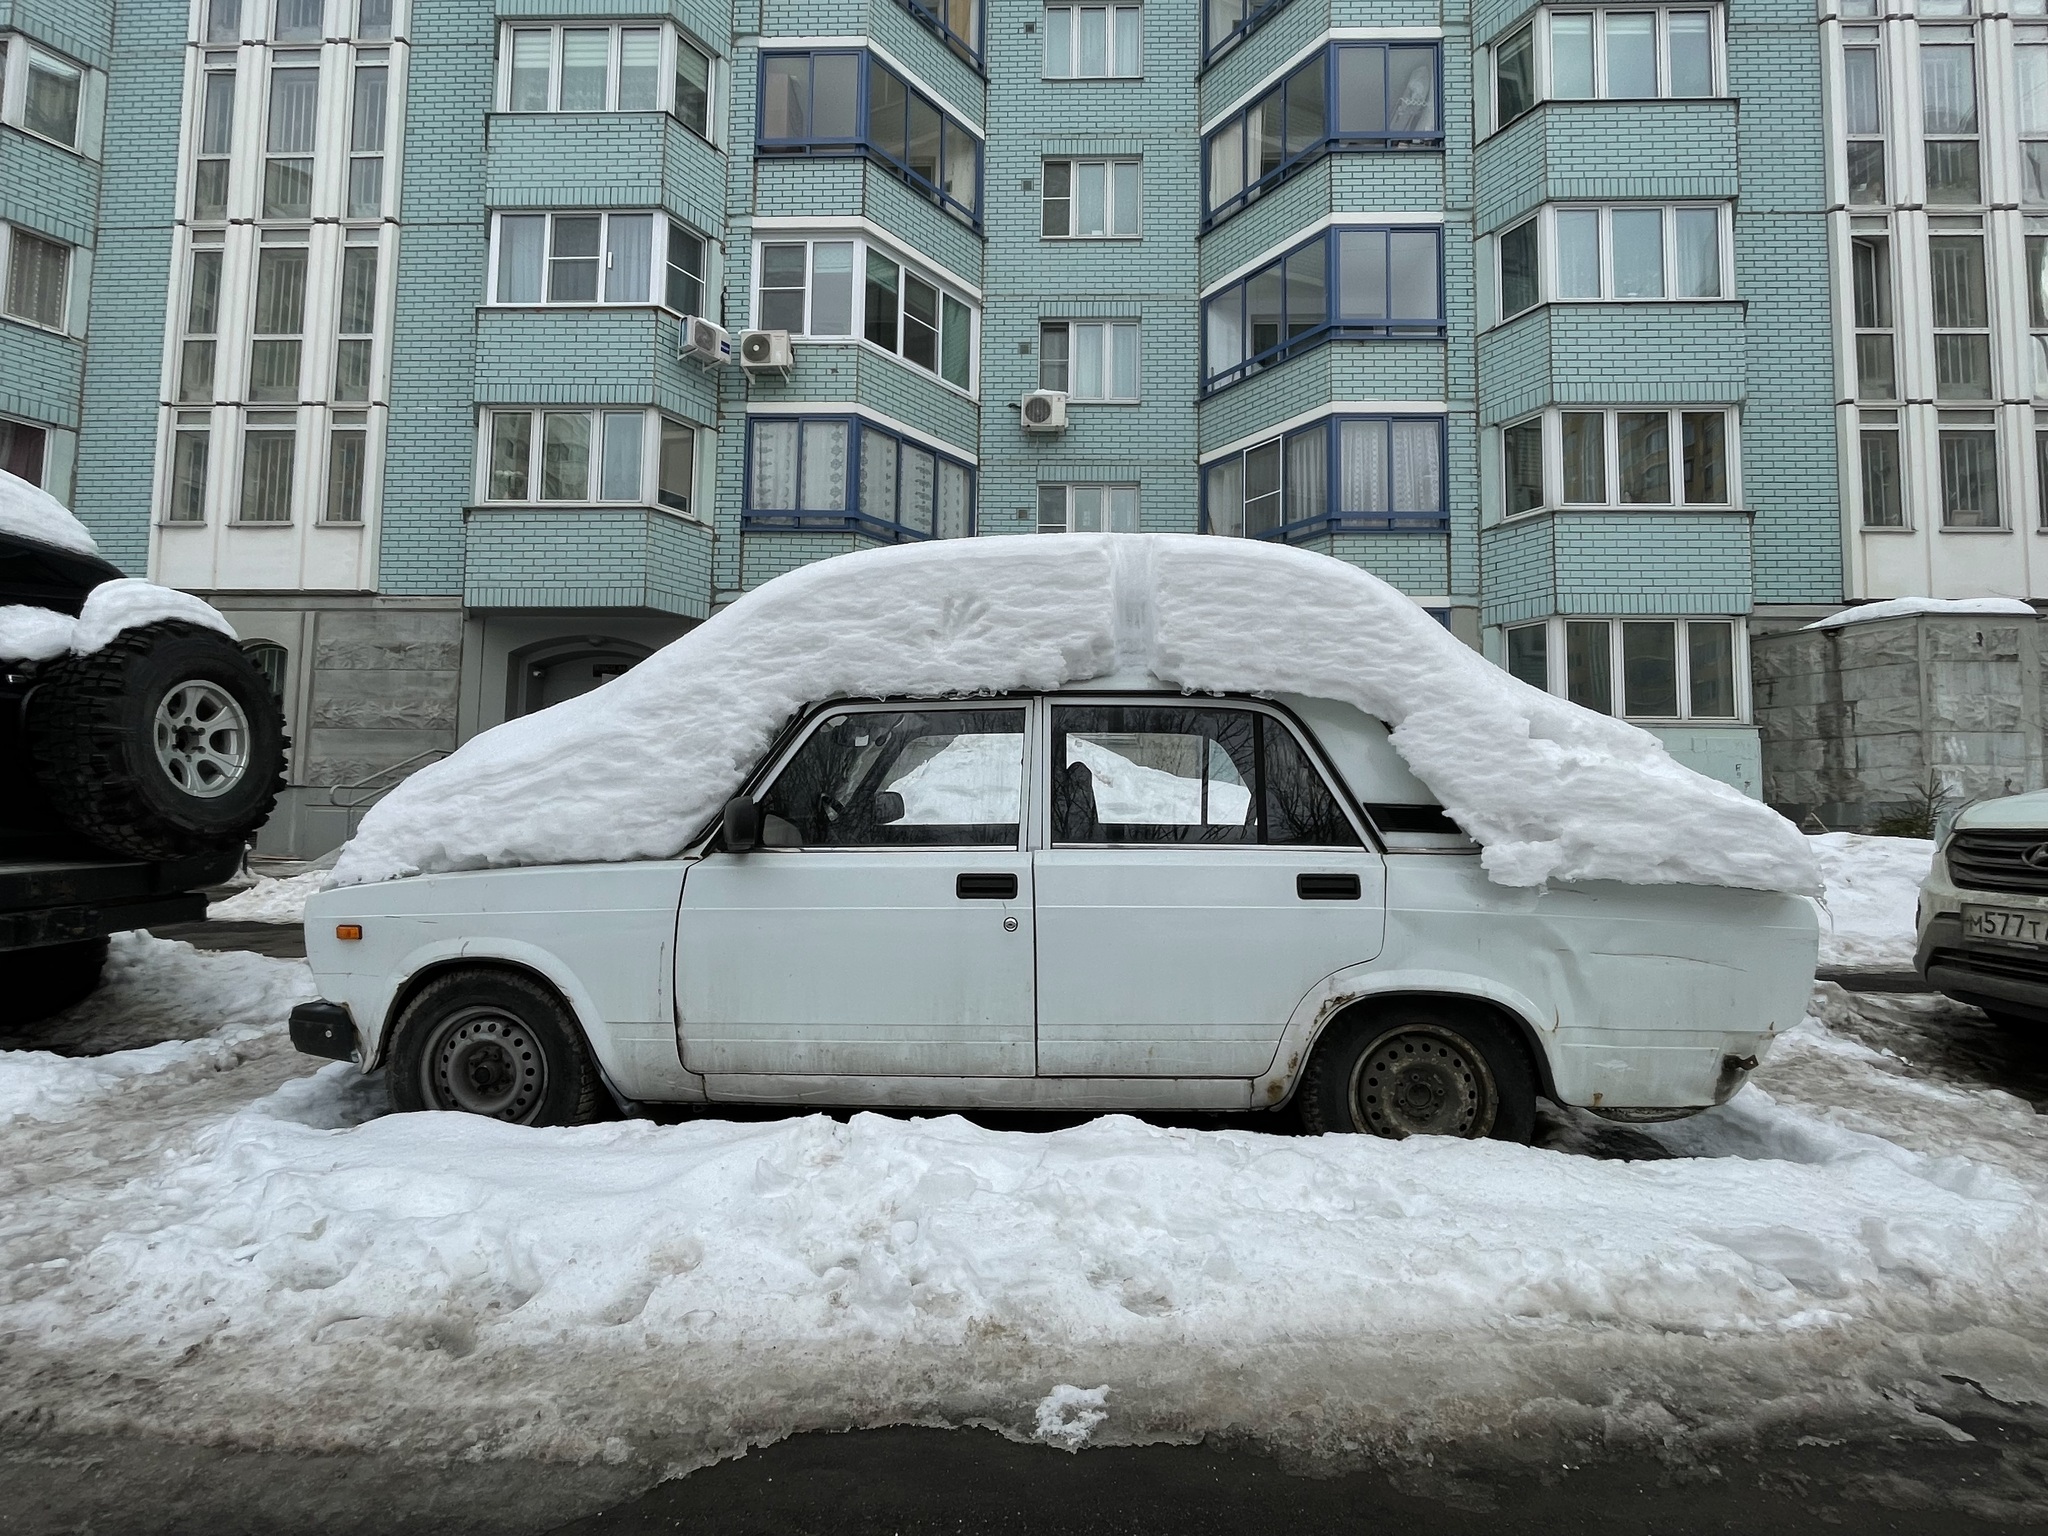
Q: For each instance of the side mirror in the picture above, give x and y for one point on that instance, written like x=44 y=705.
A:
x=742 y=824
x=888 y=807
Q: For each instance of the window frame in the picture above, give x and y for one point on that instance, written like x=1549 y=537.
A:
x=673 y=42
x=649 y=496
x=967 y=49
x=1936 y=34
x=1333 y=326
x=1109 y=163
x=1109 y=327
x=1542 y=80
x=1073 y=8
x=1551 y=420
x=657 y=257
x=851 y=518
x=1066 y=490
x=10 y=234
x=1556 y=663
x=1333 y=139
x=1335 y=520
x=1548 y=265
x=862 y=142
x=862 y=244
x=1255 y=14
x=19 y=54
x=1853 y=137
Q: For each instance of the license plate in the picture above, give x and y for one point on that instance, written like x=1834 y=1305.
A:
x=2003 y=925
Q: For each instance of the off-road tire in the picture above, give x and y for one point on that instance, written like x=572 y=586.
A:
x=1462 y=1057
x=35 y=983
x=494 y=1043
x=92 y=726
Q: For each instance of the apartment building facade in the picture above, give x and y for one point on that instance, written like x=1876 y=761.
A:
x=1524 y=309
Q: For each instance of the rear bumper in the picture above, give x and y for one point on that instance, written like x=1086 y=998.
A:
x=2001 y=980
x=52 y=900
x=325 y=1029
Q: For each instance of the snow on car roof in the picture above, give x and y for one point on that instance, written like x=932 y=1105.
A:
x=637 y=768
x=29 y=512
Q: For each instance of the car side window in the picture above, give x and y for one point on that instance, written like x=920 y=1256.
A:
x=1300 y=809
x=896 y=778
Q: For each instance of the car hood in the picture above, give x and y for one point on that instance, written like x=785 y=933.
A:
x=2011 y=811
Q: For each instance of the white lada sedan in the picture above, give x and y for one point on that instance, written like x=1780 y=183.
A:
x=1111 y=896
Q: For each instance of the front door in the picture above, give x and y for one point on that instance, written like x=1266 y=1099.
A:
x=892 y=933
x=1201 y=878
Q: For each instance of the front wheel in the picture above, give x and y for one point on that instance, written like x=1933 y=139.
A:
x=1420 y=1071
x=493 y=1043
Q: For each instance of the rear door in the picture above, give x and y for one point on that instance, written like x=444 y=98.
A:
x=1200 y=876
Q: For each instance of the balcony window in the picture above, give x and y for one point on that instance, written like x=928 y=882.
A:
x=1226 y=23
x=958 y=24
x=348 y=457
x=1961 y=315
x=1967 y=447
x=808 y=288
x=616 y=68
x=38 y=278
x=627 y=457
x=834 y=103
x=1610 y=55
x=1948 y=90
x=594 y=258
x=215 y=139
x=1656 y=669
x=288 y=142
x=269 y=464
x=202 y=327
x=1344 y=284
x=1349 y=96
x=354 y=348
x=191 y=453
x=279 y=324
x=1627 y=252
x=1863 y=107
x=1870 y=270
x=1878 y=449
x=1343 y=474
x=365 y=199
x=845 y=473
x=1094 y=42
x=1618 y=458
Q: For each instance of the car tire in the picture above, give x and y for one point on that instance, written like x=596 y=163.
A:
x=493 y=1043
x=35 y=983
x=165 y=743
x=1420 y=1070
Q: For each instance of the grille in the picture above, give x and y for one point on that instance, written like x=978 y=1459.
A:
x=1996 y=861
x=1980 y=962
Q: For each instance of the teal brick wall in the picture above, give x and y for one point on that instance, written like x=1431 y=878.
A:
x=1617 y=563
x=596 y=558
x=82 y=28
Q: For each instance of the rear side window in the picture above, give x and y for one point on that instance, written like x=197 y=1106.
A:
x=1125 y=773
x=886 y=778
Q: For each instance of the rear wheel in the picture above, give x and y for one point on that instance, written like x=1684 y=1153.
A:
x=1416 y=1070
x=493 y=1043
x=35 y=983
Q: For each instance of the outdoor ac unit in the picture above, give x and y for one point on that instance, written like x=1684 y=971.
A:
x=1043 y=410
x=764 y=349
x=705 y=341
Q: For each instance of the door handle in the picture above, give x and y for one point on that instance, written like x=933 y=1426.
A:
x=1328 y=887
x=985 y=887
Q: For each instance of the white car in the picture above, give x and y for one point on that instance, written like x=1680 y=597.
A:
x=1110 y=896
x=1983 y=919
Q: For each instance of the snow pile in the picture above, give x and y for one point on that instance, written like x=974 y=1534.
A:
x=270 y=901
x=635 y=769
x=1872 y=898
x=29 y=512
x=36 y=634
x=1906 y=607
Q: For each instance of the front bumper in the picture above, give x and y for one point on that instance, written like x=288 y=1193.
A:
x=1999 y=980
x=325 y=1029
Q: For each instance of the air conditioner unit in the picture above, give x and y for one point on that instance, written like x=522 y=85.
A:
x=705 y=341
x=760 y=350
x=1043 y=410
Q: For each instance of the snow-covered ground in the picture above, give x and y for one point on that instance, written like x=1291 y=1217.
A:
x=270 y=900
x=1872 y=892
x=217 y=1239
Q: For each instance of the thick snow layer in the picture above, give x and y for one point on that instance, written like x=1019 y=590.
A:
x=30 y=512
x=1872 y=898
x=35 y=634
x=226 y=1243
x=270 y=901
x=1906 y=607
x=634 y=769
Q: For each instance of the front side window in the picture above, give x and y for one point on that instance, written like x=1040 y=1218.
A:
x=904 y=778
x=1089 y=359
x=1967 y=446
x=357 y=323
x=1617 y=458
x=1349 y=96
x=196 y=354
x=844 y=472
x=38 y=278
x=348 y=458
x=605 y=69
x=191 y=449
x=215 y=138
x=1089 y=199
x=269 y=461
x=1087 y=509
x=1345 y=474
x=1643 y=669
x=1863 y=89
x=1960 y=311
x=1345 y=284
x=1093 y=42
x=596 y=258
x=288 y=139
x=807 y=287
x=280 y=324
x=365 y=192
x=588 y=457
x=1948 y=91
x=1870 y=270
x=1124 y=773
x=1878 y=449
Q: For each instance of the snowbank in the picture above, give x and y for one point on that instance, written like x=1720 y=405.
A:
x=1872 y=897
x=36 y=634
x=636 y=768
x=1905 y=607
x=30 y=512
x=270 y=901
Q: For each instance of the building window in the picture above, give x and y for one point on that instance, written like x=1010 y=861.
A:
x=191 y=449
x=1087 y=509
x=23 y=450
x=845 y=473
x=1089 y=359
x=298 y=21
x=1618 y=55
x=584 y=69
x=373 y=21
x=223 y=21
x=358 y=321
x=38 y=277
x=197 y=354
x=1948 y=91
x=269 y=658
x=958 y=24
x=1878 y=446
x=39 y=92
x=2037 y=309
x=348 y=449
x=2041 y=478
x=1094 y=42
x=807 y=287
x=1870 y=274
x=850 y=103
x=594 y=258
x=269 y=450
x=366 y=142
x=1343 y=474
x=1520 y=288
x=1089 y=200
x=1962 y=318
x=1349 y=96
x=692 y=102
x=1618 y=458
x=1968 y=444
x=2030 y=67
x=215 y=138
x=288 y=141
x=1643 y=669
x=1343 y=284
x=1629 y=252
x=279 y=324
x=1225 y=23
x=589 y=457
x=1863 y=104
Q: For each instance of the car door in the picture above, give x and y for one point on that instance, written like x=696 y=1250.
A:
x=1200 y=876
x=892 y=935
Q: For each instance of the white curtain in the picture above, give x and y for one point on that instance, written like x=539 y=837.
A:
x=629 y=249
x=1362 y=467
x=824 y=466
x=774 y=466
x=1308 y=475
x=878 y=475
x=1418 y=467
x=920 y=488
x=956 y=500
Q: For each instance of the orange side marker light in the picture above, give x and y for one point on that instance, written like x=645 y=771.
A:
x=349 y=931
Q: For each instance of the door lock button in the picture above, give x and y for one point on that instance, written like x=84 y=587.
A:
x=1009 y=925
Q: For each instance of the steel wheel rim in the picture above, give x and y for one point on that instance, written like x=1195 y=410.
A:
x=1423 y=1080
x=202 y=739
x=484 y=1061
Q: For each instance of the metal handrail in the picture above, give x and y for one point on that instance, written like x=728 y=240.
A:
x=401 y=770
